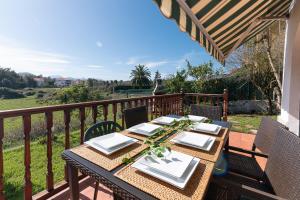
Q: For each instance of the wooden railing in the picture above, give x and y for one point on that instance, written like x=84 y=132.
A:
x=156 y=106
x=208 y=99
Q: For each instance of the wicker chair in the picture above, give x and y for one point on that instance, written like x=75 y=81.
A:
x=281 y=176
x=134 y=116
x=98 y=129
x=211 y=112
x=264 y=139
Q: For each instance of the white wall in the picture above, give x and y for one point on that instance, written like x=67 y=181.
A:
x=291 y=72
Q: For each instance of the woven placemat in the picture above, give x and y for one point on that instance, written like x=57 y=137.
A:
x=224 y=132
x=211 y=155
x=138 y=136
x=195 y=188
x=108 y=162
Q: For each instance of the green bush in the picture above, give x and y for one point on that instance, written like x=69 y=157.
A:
x=39 y=95
x=29 y=93
x=6 y=93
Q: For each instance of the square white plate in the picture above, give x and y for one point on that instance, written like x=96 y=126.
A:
x=174 y=164
x=145 y=129
x=164 y=120
x=206 y=128
x=94 y=143
x=110 y=140
x=195 y=139
x=195 y=118
x=191 y=140
x=176 y=117
x=177 y=182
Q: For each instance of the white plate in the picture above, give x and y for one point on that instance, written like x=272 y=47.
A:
x=195 y=139
x=177 y=182
x=110 y=140
x=112 y=150
x=195 y=118
x=179 y=139
x=174 y=164
x=164 y=120
x=145 y=129
x=206 y=128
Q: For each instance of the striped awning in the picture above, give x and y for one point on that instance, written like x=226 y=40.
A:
x=221 y=26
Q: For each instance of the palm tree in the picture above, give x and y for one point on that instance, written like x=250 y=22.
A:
x=157 y=76
x=140 y=76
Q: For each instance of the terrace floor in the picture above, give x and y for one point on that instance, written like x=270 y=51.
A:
x=87 y=185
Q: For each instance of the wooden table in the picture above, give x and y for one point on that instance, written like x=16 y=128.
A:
x=128 y=183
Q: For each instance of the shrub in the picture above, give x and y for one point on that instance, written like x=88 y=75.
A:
x=39 y=95
x=7 y=93
x=29 y=93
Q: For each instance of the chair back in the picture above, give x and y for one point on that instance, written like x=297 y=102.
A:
x=101 y=128
x=283 y=165
x=266 y=134
x=211 y=112
x=134 y=116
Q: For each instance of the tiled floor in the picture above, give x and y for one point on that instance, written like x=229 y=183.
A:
x=87 y=185
x=87 y=189
x=245 y=141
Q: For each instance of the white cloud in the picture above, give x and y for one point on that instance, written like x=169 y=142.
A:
x=23 y=59
x=119 y=62
x=153 y=64
x=99 y=44
x=141 y=60
x=133 y=61
x=95 y=66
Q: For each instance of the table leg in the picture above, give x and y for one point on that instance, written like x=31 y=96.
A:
x=73 y=182
x=227 y=145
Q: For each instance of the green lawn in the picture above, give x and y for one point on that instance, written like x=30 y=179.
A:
x=244 y=122
x=14 y=166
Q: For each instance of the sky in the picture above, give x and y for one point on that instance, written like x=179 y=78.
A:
x=102 y=39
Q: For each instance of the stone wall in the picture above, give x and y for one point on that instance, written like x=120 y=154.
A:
x=248 y=107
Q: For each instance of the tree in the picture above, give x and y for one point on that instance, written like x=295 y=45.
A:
x=261 y=59
x=156 y=76
x=11 y=79
x=140 y=76
x=200 y=74
x=178 y=82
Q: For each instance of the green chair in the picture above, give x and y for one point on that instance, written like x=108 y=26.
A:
x=98 y=129
x=101 y=128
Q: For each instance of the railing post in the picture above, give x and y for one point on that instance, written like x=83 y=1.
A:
x=1 y=159
x=49 y=125
x=225 y=104
x=82 y=119
x=105 y=111
x=27 y=184
x=122 y=112
x=67 y=120
x=114 y=109
x=94 y=114
x=182 y=102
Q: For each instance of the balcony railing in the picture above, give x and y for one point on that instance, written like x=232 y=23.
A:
x=111 y=109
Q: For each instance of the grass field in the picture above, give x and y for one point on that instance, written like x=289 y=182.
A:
x=244 y=123
x=14 y=167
